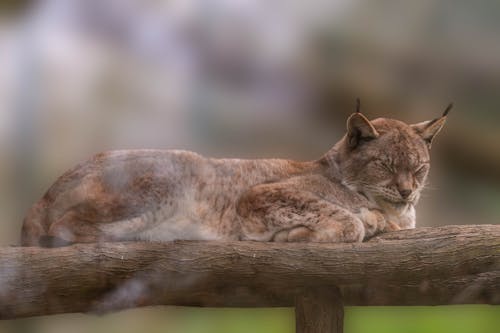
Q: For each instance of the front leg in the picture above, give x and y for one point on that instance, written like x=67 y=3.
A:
x=274 y=212
x=375 y=222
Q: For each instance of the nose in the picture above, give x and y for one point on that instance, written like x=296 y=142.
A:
x=405 y=193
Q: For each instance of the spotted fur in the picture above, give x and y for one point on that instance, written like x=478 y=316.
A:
x=368 y=183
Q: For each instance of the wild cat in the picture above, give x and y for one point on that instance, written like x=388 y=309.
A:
x=368 y=183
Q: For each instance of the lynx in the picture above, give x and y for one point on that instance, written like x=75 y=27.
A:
x=368 y=183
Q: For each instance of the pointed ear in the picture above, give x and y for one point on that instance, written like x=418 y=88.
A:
x=359 y=129
x=429 y=129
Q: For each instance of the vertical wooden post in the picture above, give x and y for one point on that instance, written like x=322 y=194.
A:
x=319 y=311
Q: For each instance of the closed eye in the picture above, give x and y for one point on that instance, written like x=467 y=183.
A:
x=421 y=170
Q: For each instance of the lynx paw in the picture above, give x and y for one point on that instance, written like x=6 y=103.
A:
x=373 y=221
x=297 y=234
x=391 y=226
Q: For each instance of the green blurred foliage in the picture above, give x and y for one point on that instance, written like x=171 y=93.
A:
x=440 y=319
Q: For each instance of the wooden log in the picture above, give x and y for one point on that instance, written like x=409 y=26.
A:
x=319 y=310
x=425 y=266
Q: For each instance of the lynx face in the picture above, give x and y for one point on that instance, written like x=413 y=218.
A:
x=387 y=160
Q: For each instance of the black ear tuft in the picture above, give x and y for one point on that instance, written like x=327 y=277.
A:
x=447 y=110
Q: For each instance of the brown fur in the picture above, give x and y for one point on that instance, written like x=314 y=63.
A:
x=367 y=183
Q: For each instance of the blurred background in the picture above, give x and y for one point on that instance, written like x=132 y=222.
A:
x=249 y=78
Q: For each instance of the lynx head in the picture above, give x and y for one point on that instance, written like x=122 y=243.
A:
x=386 y=159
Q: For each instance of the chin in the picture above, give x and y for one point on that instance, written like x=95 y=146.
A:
x=402 y=205
x=391 y=204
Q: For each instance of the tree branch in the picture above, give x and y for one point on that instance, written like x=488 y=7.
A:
x=425 y=266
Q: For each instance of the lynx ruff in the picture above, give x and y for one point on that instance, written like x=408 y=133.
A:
x=368 y=183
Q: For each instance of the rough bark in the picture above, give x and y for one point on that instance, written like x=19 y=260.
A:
x=319 y=310
x=426 y=266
